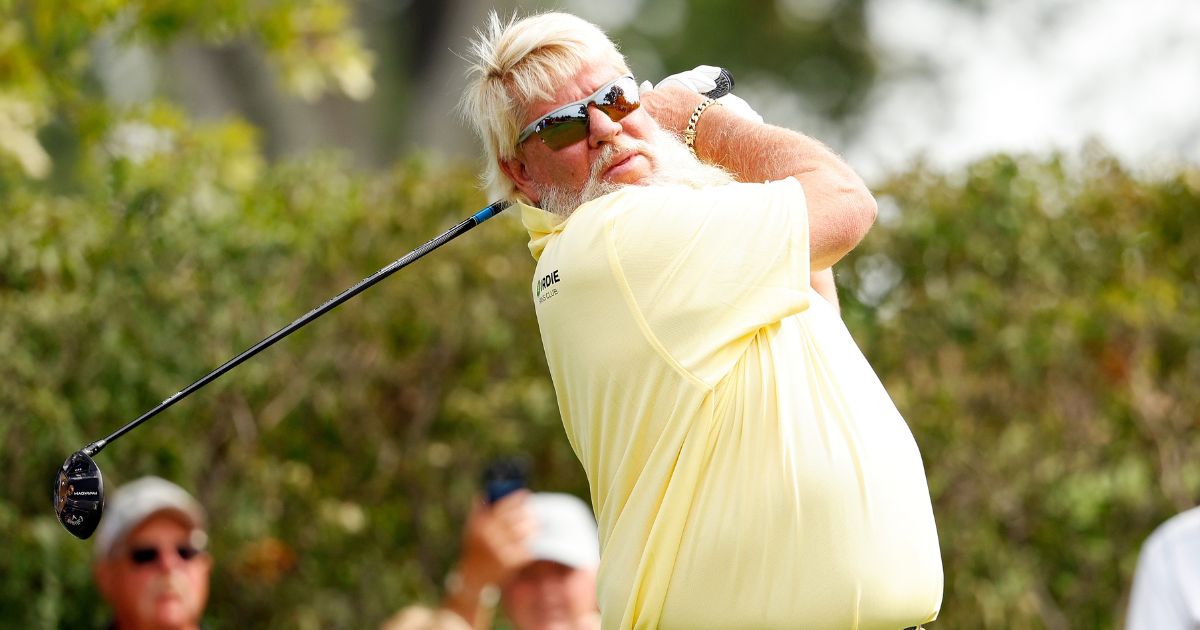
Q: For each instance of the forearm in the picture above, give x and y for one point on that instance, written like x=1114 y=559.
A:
x=840 y=207
x=471 y=597
x=757 y=152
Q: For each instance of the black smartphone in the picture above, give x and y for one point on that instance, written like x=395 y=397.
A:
x=503 y=477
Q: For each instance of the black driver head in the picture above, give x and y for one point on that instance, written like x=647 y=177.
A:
x=79 y=495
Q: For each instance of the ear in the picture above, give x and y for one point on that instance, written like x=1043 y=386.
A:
x=514 y=169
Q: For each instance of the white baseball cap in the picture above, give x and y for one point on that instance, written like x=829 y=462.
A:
x=566 y=531
x=137 y=501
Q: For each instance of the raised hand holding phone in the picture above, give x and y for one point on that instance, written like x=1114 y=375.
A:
x=504 y=476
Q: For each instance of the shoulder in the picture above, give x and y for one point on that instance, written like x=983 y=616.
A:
x=635 y=200
x=1183 y=529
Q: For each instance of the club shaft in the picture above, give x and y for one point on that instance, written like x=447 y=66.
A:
x=366 y=283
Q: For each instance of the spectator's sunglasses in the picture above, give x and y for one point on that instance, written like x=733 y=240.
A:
x=569 y=124
x=142 y=556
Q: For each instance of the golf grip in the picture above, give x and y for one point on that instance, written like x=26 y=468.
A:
x=364 y=284
x=724 y=85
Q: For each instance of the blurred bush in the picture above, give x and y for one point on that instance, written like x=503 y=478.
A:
x=140 y=249
x=1038 y=323
x=338 y=464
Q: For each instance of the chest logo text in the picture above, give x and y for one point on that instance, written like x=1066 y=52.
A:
x=545 y=289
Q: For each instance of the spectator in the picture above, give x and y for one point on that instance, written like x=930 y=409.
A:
x=535 y=554
x=150 y=563
x=1166 y=584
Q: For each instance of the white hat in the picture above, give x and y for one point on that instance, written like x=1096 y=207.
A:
x=137 y=501
x=566 y=531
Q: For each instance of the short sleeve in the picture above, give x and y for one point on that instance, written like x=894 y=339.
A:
x=708 y=268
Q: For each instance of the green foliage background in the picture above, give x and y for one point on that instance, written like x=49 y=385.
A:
x=1038 y=323
x=1036 y=320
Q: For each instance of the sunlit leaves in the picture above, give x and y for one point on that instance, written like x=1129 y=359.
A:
x=48 y=76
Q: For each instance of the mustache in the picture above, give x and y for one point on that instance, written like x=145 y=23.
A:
x=609 y=155
x=613 y=153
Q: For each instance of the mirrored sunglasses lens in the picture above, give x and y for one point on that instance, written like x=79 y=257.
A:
x=620 y=109
x=620 y=99
x=616 y=102
x=620 y=94
x=565 y=133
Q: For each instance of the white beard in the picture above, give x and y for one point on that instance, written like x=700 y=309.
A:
x=670 y=160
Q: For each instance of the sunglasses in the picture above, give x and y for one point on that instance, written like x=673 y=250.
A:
x=142 y=556
x=569 y=124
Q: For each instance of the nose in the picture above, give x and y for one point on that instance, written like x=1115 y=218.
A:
x=169 y=560
x=601 y=128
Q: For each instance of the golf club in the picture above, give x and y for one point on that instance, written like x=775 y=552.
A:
x=79 y=486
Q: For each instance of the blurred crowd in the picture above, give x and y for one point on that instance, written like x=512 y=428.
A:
x=534 y=555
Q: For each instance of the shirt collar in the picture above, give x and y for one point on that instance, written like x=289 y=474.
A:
x=541 y=226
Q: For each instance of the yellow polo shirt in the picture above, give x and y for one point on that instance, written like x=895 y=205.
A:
x=747 y=468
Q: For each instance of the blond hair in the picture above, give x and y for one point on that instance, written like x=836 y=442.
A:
x=516 y=64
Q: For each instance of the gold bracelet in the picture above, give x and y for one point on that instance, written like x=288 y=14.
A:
x=689 y=134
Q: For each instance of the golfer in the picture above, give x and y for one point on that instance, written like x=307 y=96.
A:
x=747 y=468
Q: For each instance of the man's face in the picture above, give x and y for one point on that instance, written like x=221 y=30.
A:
x=149 y=583
x=609 y=147
x=550 y=596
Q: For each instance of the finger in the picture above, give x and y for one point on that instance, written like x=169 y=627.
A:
x=514 y=501
x=521 y=520
x=520 y=526
x=694 y=80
